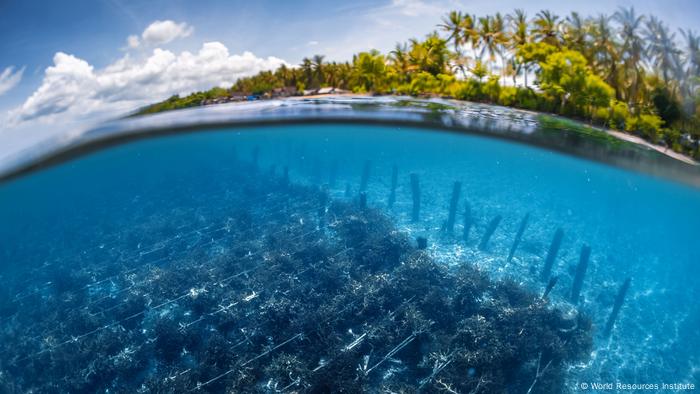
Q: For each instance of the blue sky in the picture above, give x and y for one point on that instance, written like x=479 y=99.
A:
x=52 y=52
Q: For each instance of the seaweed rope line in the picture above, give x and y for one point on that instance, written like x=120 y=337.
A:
x=147 y=268
x=75 y=339
x=185 y=326
x=373 y=328
x=376 y=325
x=188 y=293
x=173 y=257
x=201 y=385
x=150 y=265
x=153 y=249
x=170 y=257
x=437 y=368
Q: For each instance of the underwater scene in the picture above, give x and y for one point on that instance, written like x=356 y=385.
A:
x=345 y=258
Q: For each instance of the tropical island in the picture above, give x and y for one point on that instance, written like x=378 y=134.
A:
x=624 y=72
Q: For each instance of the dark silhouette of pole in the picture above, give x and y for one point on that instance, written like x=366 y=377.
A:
x=450 y=225
x=552 y=254
x=493 y=224
x=619 y=300
x=518 y=236
x=580 y=273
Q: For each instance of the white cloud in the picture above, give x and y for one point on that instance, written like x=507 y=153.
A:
x=162 y=32
x=10 y=78
x=74 y=89
x=312 y=43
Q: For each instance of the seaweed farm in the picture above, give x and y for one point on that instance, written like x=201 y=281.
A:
x=344 y=258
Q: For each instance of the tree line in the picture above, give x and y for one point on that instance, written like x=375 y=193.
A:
x=625 y=71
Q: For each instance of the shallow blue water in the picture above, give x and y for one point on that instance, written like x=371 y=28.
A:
x=85 y=213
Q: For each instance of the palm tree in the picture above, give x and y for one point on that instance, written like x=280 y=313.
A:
x=369 y=69
x=692 y=62
x=547 y=28
x=492 y=36
x=307 y=71
x=430 y=55
x=632 y=52
x=692 y=52
x=452 y=24
x=470 y=34
x=317 y=64
x=401 y=62
x=286 y=75
x=575 y=33
x=330 y=74
x=605 y=52
x=662 y=50
x=518 y=36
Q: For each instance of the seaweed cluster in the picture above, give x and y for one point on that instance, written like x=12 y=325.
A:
x=289 y=292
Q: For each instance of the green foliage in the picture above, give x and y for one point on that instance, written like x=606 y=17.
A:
x=619 y=113
x=492 y=89
x=424 y=82
x=601 y=116
x=369 y=71
x=666 y=105
x=534 y=52
x=647 y=125
x=431 y=55
x=563 y=76
x=479 y=70
x=508 y=96
x=597 y=93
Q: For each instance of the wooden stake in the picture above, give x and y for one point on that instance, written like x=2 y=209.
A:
x=552 y=282
x=580 y=273
x=493 y=224
x=619 y=300
x=552 y=254
x=450 y=225
x=518 y=237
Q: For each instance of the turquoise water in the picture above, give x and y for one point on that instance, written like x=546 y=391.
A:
x=85 y=235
